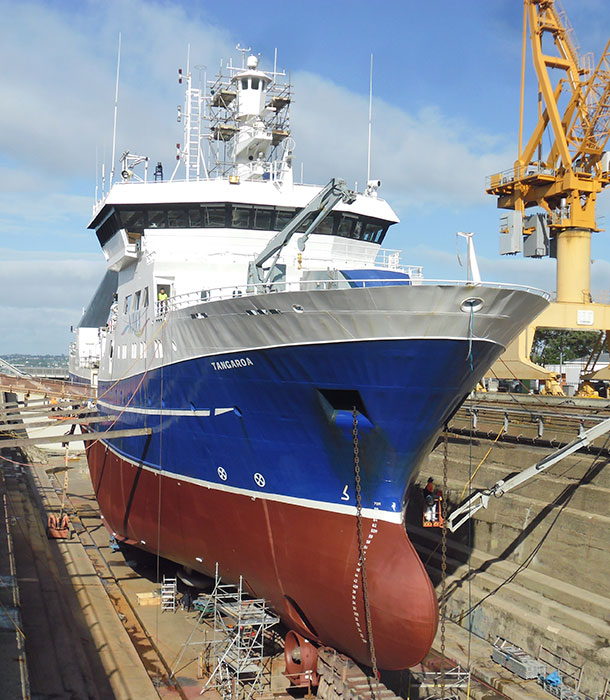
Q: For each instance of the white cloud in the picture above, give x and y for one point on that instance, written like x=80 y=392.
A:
x=47 y=294
x=422 y=158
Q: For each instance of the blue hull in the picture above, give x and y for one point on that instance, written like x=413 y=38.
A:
x=285 y=414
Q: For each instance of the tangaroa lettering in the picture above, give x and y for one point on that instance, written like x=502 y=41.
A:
x=232 y=364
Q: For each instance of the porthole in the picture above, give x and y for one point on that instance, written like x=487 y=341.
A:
x=472 y=305
x=298 y=308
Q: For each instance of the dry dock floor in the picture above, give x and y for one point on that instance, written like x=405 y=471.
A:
x=87 y=637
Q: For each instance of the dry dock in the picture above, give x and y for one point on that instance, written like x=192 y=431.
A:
x=533 y=569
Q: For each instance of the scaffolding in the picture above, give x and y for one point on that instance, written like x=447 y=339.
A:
x=233 y=629
x=220 y=112
x=237 y=644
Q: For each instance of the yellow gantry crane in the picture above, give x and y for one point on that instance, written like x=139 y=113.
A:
x=562 y=179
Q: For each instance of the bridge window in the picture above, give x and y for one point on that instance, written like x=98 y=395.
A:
x=214 y=216
x=240 y=217
x=157 y=219
x=262 y=219
x=177 y=218
x=255 y=83
x=136 y=219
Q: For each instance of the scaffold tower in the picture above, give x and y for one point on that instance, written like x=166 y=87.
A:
x=239 y=669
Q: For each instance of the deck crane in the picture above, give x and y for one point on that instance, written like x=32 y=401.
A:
x=563 y=180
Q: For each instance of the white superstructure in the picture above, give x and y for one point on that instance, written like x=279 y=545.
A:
x=197 y=238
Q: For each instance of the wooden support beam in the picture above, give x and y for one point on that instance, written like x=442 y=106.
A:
x=53 y=424
x=43 y=410
x=87 y=437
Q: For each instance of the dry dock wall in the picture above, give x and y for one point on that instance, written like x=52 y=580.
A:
x=554 y=531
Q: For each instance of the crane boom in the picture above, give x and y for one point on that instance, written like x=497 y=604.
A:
x=323 y=203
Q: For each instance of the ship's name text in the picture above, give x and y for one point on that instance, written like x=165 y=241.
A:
x=232 y=364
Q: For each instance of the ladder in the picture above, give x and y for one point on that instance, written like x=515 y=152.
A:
x=169 y=589
x=193 y=133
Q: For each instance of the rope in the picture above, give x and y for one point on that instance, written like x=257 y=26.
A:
x=361 y=552
x=473 y=474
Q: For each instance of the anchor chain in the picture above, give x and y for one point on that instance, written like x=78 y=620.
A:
x=443 y=610
x=361 y=553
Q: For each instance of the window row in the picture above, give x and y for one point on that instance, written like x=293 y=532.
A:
x=240 y=216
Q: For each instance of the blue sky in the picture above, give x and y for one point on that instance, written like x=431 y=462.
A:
x=446 y=102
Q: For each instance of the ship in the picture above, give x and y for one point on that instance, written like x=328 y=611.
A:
x=291 y=373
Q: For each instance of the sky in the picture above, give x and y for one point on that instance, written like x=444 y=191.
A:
x=446 y=89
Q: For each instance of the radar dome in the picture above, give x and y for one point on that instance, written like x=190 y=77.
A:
x=252 y=62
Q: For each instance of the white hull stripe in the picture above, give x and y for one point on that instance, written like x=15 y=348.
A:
x=372 y=513
x=165 y=411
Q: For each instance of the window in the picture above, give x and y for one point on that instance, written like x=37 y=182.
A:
x=136 y=301
x=134 y=351
x=133 y=220
x=145 y=297
x=214 y=217
x=346 y=225
x=240 y=217
x=194 y=217
x=255 y=83
x=157 y=219
x=244 y=83
x=262 y=219
x=177 y=218
x=127 y=304
x=283 y=218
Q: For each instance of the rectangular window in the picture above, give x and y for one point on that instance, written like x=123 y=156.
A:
x=240 y=217
x=262 y=219
x=133 y=220
x=194 y=218
x=145 y=297
x=177 y=218
x=143 y=350
x=214 y=217
x=134 y=351
x=157 y=219
x=136 y=300
x=346 y=225
x=127 y=304
x=283 y=218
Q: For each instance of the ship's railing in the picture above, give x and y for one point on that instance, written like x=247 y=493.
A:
x=182 y=301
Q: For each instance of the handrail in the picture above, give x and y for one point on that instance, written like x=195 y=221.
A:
x=204 y=296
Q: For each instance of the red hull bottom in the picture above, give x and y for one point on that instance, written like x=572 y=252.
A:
x=303 y=561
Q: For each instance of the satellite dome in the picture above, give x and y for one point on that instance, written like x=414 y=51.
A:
x=252 y=62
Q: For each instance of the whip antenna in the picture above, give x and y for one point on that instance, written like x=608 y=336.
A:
x=116 y=111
